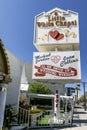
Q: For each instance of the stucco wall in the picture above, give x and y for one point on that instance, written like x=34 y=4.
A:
x=16 y=66
x=14 y=86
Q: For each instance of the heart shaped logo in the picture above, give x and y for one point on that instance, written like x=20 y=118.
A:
x=54 y=34
x=60 y=36
x=55 y=59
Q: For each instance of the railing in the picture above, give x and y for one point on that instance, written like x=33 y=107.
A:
x=16 y=116
x=23 y=116
x=47 y=119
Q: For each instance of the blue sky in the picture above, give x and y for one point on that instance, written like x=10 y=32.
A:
x=17 y=25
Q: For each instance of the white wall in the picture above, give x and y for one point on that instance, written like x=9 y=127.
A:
x=14 y=86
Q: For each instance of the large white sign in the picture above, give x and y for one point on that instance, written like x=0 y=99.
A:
x=56 y=65
x=56 y=26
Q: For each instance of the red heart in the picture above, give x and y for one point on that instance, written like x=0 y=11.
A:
x=60 y=36
x=54 y=34
x=55 y=59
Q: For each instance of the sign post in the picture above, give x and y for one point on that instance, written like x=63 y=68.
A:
x=56 y=38
x=57 y=105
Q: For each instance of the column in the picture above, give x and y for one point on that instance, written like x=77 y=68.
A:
x=3 y=93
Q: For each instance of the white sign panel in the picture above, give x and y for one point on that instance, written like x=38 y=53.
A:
x=56 y=65
x=57 y=26
x=24 y=87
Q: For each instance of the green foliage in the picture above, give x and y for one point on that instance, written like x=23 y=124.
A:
x=81 y=99
x=9 y=116
x=39 y=88
x=36 y=111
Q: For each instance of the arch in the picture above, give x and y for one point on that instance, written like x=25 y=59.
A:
x=4 y=65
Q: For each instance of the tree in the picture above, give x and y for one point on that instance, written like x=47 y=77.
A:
x=77 y=89
x=40 y=89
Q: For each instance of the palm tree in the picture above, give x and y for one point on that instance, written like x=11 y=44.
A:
x=77 y=90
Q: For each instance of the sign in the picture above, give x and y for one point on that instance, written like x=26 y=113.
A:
x=24 y=87
x=56 y=65
x=70 y=91
x=57 y=27
x=57 y=104
x=56 y=99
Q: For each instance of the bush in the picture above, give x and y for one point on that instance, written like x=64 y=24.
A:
x=36 y=111
x=9 y=116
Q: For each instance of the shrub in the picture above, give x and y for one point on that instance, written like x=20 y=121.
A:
x=36 y=111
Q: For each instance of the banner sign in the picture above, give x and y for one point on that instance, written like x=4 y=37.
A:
x=56 y=65
x=57 y=26
x=69 y=91
x=57 y=104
